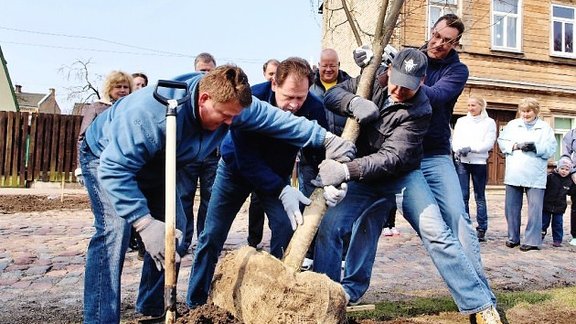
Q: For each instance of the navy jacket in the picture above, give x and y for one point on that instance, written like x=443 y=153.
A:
x=557 y=187
x=336 y=122
x=445 y=80
x=263 y=161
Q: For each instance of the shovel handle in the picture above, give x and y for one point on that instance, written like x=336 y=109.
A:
x=171 y=103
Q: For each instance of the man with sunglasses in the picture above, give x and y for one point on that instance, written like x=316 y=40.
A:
x=445 y=79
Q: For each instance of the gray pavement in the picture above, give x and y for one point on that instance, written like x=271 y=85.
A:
x=42 y=258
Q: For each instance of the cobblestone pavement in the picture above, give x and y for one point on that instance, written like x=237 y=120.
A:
x=42 y=258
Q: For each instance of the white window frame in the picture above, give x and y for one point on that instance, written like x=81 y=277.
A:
x=563 y=21
x=562 y=132
x=445 y=6
x=504 y=20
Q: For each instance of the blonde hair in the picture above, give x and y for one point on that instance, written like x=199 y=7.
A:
x=479 y=101
x=227 y=83
x=113 y=79
x=529 y=104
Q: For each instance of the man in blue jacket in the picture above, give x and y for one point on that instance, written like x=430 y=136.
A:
x=445 y=79
x=122 y=160
x=256 y=162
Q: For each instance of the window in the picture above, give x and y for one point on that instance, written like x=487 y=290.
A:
x=506 y=25
x=562 y=31
x=562 y=125
x=437 y=9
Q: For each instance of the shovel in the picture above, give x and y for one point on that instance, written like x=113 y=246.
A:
x=170 y=213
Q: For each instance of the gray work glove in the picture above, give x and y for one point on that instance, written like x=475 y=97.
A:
x=362 y=55
x=152 y=232
x=364 y=110
x=331 y=173
x=333 y=195
x=529 y=147
x=291 y=199
x=79 y=176
x=339 y=149
x=464 y=151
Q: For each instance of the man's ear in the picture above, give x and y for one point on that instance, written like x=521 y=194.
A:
x=203 y=97
x=274 y=85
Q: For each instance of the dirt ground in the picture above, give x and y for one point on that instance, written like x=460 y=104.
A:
x=38 y=312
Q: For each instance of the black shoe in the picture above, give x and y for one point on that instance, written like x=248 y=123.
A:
x=526 y=248
x=481 y=235
x=511 y=244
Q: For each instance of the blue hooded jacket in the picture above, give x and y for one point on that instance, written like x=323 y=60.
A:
x=445 y=80
x=129 y=138
x=263 y=161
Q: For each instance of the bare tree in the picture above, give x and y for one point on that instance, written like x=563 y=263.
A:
x=79 y=73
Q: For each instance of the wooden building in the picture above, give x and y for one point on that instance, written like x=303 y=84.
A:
x=513 y=48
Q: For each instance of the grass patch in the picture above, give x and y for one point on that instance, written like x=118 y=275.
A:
x=516 y=307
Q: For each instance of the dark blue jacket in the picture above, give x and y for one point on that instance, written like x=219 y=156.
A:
x=445 y=80
x=557 y=187
x=262 y=160
x=336 y=122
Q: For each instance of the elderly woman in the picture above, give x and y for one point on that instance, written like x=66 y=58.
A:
x=474 y=136
x=528 y=142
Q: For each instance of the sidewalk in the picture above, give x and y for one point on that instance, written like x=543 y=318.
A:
x=42 y=258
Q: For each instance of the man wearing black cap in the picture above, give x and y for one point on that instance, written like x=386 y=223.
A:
x=385 y=174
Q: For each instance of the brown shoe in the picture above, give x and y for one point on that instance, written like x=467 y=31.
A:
x=487 y=316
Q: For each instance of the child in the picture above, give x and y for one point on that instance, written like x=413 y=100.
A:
x=558 y=185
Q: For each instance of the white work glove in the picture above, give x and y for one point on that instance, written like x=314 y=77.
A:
x=152 y=232
x=338 y=148
x=331 y=173
x=334 y=195
x=364 y=110
x=362 y=55
x=79 y=176
x=291 y=199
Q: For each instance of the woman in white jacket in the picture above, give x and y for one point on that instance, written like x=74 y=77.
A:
x=474 y=136
x=528 y=143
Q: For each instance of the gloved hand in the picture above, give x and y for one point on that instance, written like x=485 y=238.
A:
x=291 y=199
x=529 y=146
x=334 y=195
x=464 y=151
x=520 y=146
x=79 y=176
x=152 y=232
x=339 y=149
x=364 y=110
x=331 y=173
x=363 y=55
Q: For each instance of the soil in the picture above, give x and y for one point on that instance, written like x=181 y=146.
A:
x=28 y=203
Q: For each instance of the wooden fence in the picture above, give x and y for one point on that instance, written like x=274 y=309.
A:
x=37 y=147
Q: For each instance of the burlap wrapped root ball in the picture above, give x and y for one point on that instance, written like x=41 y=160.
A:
x=258 y=288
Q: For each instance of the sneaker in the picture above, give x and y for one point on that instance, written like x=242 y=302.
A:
x=572 y=242
x=557 y=244
x=526 y=248
x=348 y=301
x=395 y=231
x=307 y=264
x=487 y=316
x=387 y=232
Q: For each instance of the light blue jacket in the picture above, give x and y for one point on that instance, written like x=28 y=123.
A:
x=130 y=138
x=527 y=169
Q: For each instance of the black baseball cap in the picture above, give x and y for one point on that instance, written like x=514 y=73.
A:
x=408 y=68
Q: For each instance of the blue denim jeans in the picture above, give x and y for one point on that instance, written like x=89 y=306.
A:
x=365 y=210
x=205 y=171
x=107 y=249
x=442 y=179
x=306 y=173
x=478 y=173
x=229 y=192
x=513 y=211
x=557 y=221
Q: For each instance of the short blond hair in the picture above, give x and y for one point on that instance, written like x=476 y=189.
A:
x=113 y=79
x=227 y=83
x=480 y=101
x=529 y=104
